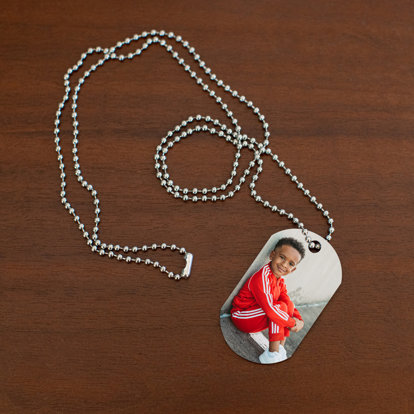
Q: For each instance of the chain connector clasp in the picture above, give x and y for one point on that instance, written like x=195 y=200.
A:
x=187 y=269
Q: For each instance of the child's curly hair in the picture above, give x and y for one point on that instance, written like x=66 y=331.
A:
x=290 y=241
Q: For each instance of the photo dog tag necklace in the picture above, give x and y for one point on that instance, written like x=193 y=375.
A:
x=193 y=124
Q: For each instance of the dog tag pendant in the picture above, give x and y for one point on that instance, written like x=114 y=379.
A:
x=279 y=298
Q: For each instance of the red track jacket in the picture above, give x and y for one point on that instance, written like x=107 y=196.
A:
x=263 y=290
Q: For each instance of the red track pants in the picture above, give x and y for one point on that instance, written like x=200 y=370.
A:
x=256 y=320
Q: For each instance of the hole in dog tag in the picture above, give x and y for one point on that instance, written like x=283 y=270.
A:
x=315 y=246
x=280 y=297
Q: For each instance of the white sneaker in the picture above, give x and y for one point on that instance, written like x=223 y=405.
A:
x=282 y=351
x=271 y=357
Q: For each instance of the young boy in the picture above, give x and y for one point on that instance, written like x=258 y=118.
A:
x=263 y=301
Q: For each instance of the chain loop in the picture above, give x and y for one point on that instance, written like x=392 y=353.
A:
x=232 y=134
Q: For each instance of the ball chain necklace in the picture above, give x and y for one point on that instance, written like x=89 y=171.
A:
x=198 y=123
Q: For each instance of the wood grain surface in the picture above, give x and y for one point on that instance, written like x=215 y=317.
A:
x=83 y=334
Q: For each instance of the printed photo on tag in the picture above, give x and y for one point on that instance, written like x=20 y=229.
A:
x=279 y=298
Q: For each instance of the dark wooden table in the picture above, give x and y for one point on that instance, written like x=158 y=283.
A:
x=83 y=334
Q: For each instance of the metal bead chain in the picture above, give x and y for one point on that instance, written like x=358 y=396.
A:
x=191 y=125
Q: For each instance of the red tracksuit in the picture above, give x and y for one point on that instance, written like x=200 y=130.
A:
x=263 y=303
